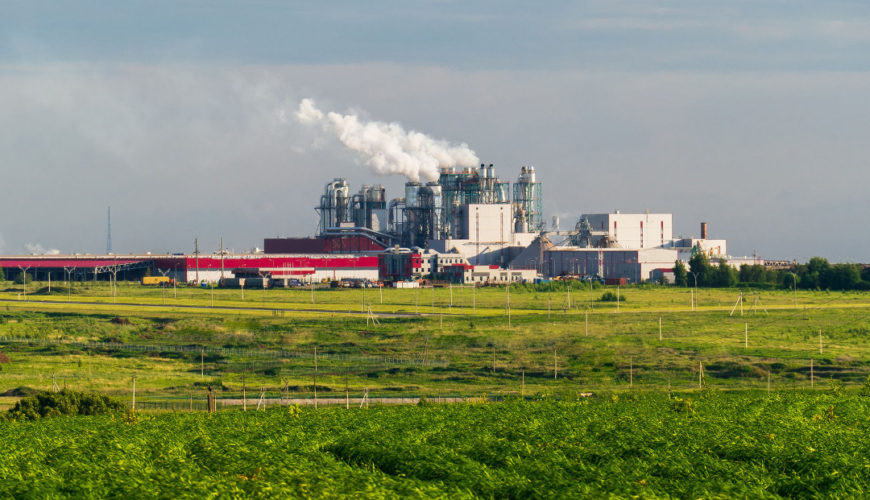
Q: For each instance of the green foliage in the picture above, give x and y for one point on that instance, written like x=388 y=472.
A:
x=728 y=445
x=818 y=273
x=2 y=275
x=609 y=296
x=20 y=278
x=681 y=276
x=700 y=268
x=724 y=275
x=66 y=402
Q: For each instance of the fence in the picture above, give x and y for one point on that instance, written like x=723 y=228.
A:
x=227 y=351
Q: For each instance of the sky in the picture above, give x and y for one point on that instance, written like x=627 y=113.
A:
x=752 y=116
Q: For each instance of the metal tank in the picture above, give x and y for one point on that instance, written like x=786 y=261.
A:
x=528 y=199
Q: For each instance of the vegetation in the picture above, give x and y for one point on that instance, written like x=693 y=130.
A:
x=713 y=446
x=817 y=274
x=746 y=392
x=558 y=339
x=65 y=402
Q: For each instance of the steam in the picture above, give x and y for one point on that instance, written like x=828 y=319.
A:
x=387 y=147
x=39 y=249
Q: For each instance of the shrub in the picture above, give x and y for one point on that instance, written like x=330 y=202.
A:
x=65 y=402
x=609 y=296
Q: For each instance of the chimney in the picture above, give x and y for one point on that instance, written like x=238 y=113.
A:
x=703 y=230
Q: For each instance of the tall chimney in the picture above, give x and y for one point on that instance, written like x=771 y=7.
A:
x=703 y=230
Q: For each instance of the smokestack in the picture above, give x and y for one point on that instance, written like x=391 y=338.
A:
x=703 y=230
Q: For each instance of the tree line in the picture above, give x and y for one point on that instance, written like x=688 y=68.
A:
x=817 y=274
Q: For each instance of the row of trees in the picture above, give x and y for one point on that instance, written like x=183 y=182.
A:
x=817 y=274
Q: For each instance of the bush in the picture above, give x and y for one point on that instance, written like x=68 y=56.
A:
x=65 y=402
x=609 y=296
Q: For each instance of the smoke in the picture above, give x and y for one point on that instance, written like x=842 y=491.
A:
x=387 y=147
x=39 y=249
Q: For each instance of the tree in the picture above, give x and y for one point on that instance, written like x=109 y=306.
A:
x=23 y=278
x=811 y=273
x=700 y=267
x=725 y=275
x=841 y=277
x=2 y=275
x=681 y=278
x=752 y=273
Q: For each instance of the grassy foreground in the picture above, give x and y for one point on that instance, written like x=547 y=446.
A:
x=788 y=444
x=553 y=341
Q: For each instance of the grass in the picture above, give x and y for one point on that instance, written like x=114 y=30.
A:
x=481 y=350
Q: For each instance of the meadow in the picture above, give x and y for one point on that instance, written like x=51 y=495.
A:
x=554 y=339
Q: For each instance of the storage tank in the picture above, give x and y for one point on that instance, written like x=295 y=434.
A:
x=412 y=190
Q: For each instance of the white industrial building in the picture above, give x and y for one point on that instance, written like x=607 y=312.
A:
x=637 y=247
x=489 y=233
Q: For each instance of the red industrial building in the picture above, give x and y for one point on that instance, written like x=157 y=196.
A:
x=192 y=268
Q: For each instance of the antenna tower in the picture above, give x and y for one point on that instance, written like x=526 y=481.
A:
x=109 y=232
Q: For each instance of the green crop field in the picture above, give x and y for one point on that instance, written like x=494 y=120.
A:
x=705 y=445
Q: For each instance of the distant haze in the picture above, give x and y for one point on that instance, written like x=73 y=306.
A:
x=751 y=116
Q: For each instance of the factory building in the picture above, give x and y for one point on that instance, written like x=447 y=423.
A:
x=468 y=226
x=468 y=211
x=194 y=268
x=635 y=247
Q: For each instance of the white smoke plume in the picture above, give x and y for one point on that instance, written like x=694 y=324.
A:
x=387 y=147
x=39 y=249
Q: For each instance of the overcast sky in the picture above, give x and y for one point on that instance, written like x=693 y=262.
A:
x=753 y=116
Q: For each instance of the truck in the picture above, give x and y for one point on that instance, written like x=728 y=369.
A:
x=157 y=281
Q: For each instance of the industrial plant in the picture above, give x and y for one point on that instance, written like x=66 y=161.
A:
x=468 y=226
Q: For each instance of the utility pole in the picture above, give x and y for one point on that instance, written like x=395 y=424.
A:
x=222 y=259
x=109 y=232
x=68 y=271
x=24 y=280
x=196 y=258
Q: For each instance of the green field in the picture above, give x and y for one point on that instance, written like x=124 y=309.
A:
x=708 y=445
x=565 y=395
x=432 y=342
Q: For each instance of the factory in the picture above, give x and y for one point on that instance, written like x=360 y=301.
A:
x=468 y=226
x=469 y=211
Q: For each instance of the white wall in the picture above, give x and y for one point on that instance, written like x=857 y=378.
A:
x=492 y=223
x=634 y=231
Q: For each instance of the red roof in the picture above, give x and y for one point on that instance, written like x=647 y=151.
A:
x=67 y=262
